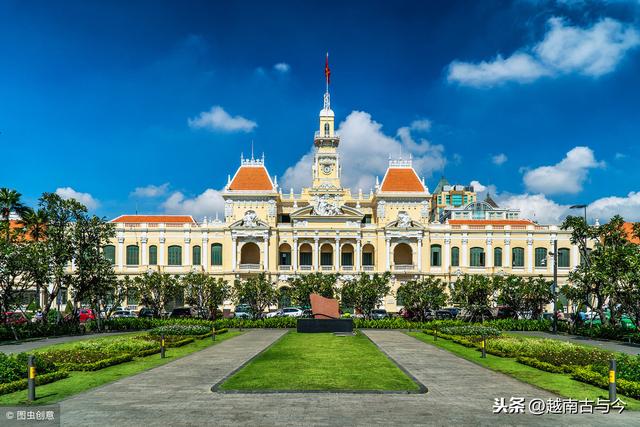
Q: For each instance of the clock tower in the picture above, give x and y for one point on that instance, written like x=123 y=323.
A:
x=326 y=165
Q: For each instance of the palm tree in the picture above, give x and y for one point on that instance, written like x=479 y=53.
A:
x=10 y=202
x=35 y=222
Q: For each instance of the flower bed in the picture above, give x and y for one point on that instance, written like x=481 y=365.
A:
x=470 y=331
x=22 y=384
x=14 y=367
x=181 y=330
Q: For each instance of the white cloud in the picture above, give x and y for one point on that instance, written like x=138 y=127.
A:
x=218 y=119
x=282 y=67
x=592 y=51
x=85 y=198
x=208 y=203
x=606 y=207
x=423 y=125
x=536 y=207
x=567 y=176
x=360 y=134
x=150 y=190
x=620 y=156
x=499 y=159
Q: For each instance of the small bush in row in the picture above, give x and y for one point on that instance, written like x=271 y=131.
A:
x=626 y=387
x=181 y=330
x=97 y=365
x=544 y=366
x=22 y=384
x=470 y=331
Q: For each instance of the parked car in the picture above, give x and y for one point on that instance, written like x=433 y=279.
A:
x=453 y=310
x=183 y=312
x=122 y=313
x=146 y=312
x=504 y=312
x=291 y=312
x=308 y=313
x=243 y=311
x=443 y=315
x=379 y=313
x=86 y=314
x=276 y=313
x=15 y=318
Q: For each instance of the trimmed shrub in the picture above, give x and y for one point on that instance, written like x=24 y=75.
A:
x=470 y=331
x=95 y=366
x=544 y=366
x=40 y=380
x=181 y=330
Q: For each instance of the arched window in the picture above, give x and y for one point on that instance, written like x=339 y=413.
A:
x=367 y=254
x=326 y=255
x=216 y=254
x=250 y=254
x=306 y=257
x=175 y=255
x=109 y=252
x=563 y=257
x=477 y=257
x=517 y=257
x=402 y=254
x=541 y=257
x=133 y=255
x=196 y=255
x=284 y=254
x=436 y=255
x=347 y=255
x=455 y=256
x=326 y=129
x=497 y=257
x=153 y=255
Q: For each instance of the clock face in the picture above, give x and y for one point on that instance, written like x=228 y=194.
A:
x=327 y=169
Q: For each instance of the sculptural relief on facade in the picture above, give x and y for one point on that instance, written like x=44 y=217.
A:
x=326 y=205
x=250 y=219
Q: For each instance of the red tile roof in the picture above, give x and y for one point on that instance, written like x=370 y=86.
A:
x=179 y=219
x=628 y=228
x=251 y=178
x=490 y=222
x=401 y=180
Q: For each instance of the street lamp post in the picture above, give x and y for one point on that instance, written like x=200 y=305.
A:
x=581 y=207
x=555 y=285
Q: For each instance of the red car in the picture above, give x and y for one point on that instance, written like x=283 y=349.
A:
x=15 y=318
x=84 y=315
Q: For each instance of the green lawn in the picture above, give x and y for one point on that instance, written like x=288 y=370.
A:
x=321 y=362
x=82 y=381
x=560 y=384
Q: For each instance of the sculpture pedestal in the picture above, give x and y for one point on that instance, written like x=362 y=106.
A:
x=324 y=325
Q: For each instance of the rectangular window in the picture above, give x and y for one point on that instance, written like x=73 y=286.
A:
x=197 y=257
x=366 y=219
x=497 y=257
x=216 y=254
x=518 y=257
x=284 y=219
x=305 y=258
x=175 y=255
x=563 y=257
x=132 y=255
x=455 y=256
x=326 y=258
x=153 y=255
x=347 y=258
x=285 y=258
x=109 y=253
x=367 y=258
x=541 y=257
x=477 y=257
x=435 y=256
x=456 y=200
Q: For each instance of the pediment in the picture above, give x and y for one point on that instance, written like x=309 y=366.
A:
x=343 y=212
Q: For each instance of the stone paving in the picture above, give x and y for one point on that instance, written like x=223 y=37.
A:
x=178 y=394
x=576 y=339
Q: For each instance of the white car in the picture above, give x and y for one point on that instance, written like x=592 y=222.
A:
x=276 y=313
x=122 y=313
x=291 y=312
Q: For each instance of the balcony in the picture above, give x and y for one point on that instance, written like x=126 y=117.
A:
x=326 y=267
x=403 y=267
x=347 y=267
x=368 y=267
x=305 y=267
x=284 y=267
x=250 y=266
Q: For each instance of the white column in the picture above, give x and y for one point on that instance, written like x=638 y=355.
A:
x=419 y=254
x=575 y=256
x=506 y=253
x=464 y=255
x=336 y=256
x=358 y=254
x=295 y=254
x=530 y=254
x=120 y=254
x=205 y=252
x=388 y=245
x=488 y=256
x=161 y=251
x=187 y=251
x=446 y=256
x=552 y=259
x=265 y=248
x=316 y=253
x=145 y=253
x=234 y=252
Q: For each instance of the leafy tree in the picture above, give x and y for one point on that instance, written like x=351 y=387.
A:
x=524 y=296
x=365 y=292
x=93 y=276
x=605 y=280
x=418 y=296
x=257 y=291
x=205 y=292
x=35 y=227
x=112 y=297
x=315 y=283
x=14 y=279
x=155 y=290
x=474 y=294
x=61 y=215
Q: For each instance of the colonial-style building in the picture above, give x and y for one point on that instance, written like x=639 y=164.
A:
x=397 y=227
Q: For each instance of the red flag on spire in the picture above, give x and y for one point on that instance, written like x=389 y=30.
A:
x=327 y=71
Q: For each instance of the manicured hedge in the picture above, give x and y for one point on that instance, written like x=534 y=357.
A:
x=470 y=331
x=95 y=366
x=544 y=366
x=626 y=387
x=40 y=380
x=14 y=366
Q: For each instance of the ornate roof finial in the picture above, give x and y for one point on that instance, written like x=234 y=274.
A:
x=252 y=149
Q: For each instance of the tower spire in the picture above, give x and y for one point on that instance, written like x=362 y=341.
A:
x=327 y=75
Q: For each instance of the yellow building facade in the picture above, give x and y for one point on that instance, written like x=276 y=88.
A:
x=327 y=228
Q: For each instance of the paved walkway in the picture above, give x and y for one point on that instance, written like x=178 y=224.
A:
x=576 y=339
x=19 y=347
x=178 y=394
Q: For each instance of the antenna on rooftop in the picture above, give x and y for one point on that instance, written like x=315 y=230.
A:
x=252 y=149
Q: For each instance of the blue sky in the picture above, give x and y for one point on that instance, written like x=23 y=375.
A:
x=148 y=105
